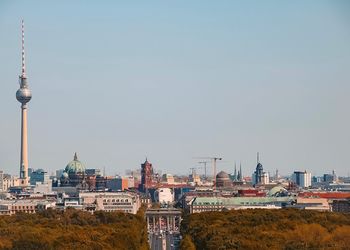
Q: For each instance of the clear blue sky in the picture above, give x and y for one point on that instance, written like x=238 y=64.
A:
x=117 y=81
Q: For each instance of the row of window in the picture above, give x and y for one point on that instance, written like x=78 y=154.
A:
x=113 y=210
x=116 y=207
x=22 y=207
x=117 y=204
x=207 y=207
x=208 y=203
x=115 y=200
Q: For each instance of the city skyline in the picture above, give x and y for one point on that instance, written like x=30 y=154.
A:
x=120 y=82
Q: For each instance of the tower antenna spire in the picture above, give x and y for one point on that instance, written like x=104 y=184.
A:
x=23 y=75
x=257 y=158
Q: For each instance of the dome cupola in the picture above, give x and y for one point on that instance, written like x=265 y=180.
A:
x=75 y=166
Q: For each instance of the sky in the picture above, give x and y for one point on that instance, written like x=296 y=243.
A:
x=119 y=81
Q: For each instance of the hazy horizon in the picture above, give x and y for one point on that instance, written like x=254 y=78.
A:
x=117 y=82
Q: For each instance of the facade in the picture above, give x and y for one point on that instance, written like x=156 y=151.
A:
x=5 y=209
x=205 y=204
x=330 y=177
x=195 y=179
x=223 y=180
x=1 y=180
x=117 y=184
x=251 y=193
x=146 y=176
x=9 y=207
x=318 y=204
x=59 y=173
x=342 y=206
x=93 y=171
x=131 y=182
x=164 y=195
x=326 y=195
x=168 y=178
x=10 y=181
x=39 y=176
x=111 y=201
x=302 y=179
x=43 y=188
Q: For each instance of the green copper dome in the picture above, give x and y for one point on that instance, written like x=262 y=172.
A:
x=75 y=166
x=277 y=191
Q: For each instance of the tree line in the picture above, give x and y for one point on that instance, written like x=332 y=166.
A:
x=73 y=229
x=266 y=229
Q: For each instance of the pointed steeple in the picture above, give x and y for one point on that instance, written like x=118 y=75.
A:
x=240 y=172
x=235 y=173
x=75 y=156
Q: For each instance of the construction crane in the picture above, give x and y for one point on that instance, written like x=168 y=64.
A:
x=205 y=167
x=193 y=171
x=213 y=160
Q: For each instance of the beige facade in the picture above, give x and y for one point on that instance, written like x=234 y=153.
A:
x=9 y=207
x=13 y=181
x=318 y=204
x=112 y=201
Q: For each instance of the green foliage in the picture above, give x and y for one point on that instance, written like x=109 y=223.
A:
x=73 y=229
x=267 y=229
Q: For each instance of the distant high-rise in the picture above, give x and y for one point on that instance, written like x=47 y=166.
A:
x=40 y=175
x=23 y=95
x=302 y=178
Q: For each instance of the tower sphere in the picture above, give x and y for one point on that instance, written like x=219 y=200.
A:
x=23 y=95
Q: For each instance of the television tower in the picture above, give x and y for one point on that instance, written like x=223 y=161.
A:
x=23 y=95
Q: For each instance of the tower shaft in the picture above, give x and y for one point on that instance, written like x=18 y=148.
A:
x=24 y=148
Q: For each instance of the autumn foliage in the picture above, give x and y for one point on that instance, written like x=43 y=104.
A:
x=267 y=229
x=73 y=230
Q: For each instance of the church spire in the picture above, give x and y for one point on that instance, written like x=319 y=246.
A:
x=240 y=171
x=235 y=173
